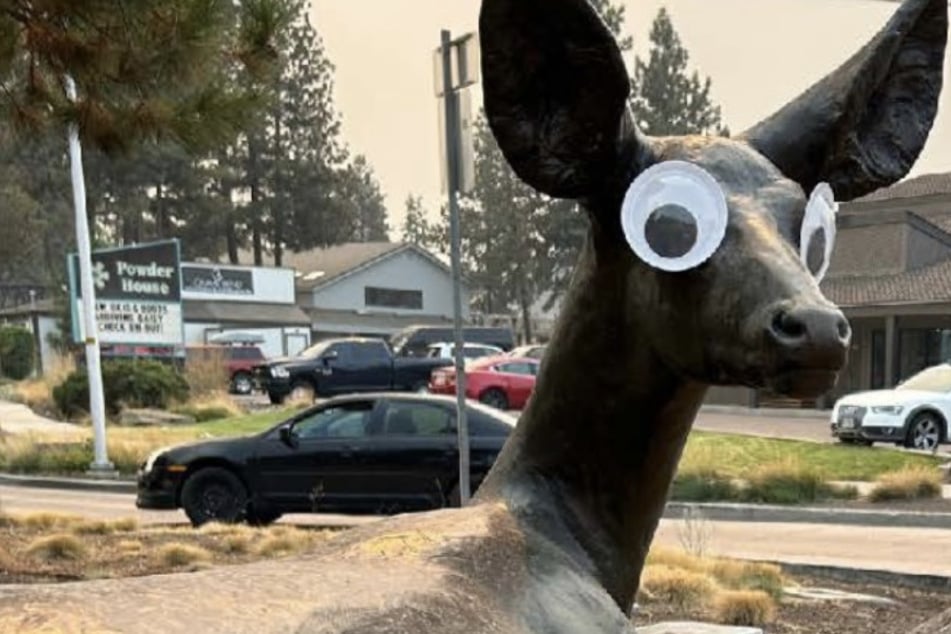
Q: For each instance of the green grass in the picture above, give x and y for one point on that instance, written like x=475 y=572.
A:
x=240 y=425
x=737 y=456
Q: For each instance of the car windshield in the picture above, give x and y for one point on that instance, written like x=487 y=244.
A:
x=315 y=350
x=936 y=379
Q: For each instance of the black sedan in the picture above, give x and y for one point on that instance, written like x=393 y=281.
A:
x=367 y=453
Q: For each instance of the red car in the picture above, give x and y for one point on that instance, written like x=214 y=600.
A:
x=501 y=382
x=237 y=362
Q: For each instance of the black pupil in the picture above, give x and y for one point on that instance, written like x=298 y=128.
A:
x=816 y=251
x=671 y=231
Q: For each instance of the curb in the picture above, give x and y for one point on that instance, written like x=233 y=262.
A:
x=851 y=575
x=770 y=412
x=764 y=513
x=68 y=484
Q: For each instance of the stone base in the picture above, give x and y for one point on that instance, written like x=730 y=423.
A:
x=103 y=472
x=690 y=627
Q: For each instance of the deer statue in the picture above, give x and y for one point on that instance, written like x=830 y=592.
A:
x=700 y=268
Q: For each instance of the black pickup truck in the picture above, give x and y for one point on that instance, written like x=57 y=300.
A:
x=343 y=366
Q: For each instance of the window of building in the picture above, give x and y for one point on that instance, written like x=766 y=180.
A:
x=393 y=298
x=921 y=348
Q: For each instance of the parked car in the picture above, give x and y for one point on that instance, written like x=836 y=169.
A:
x=373 y=453
x=531 y=351
x=414 y=341
x=914 y=414
x=238 y=362
x=500 y=382
x=444 y=350
x=342 y=366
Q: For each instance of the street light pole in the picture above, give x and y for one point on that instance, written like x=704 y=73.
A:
x=97 y=408
x=452 y=178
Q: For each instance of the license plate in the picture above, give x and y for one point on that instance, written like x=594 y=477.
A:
x=847 y=423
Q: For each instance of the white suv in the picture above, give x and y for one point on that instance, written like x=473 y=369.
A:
x=470 y=351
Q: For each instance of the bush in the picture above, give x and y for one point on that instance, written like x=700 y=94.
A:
x=138 y=383
x=680 y=588
x=703 y=485
x=791 y=483
x=751 y=608
x=16 y=353
x=57 y=547
x=176 y=554
x=911 y=483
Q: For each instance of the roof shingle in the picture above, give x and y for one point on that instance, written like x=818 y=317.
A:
x=922 y=286
x=924 y=185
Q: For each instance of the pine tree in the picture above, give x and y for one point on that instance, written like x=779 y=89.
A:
x=666 y=100
x=144 y=69
x=417 y=228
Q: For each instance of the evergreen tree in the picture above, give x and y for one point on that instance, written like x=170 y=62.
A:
x=417 y=228
x=666 y=100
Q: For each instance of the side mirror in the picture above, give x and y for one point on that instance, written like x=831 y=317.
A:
x=288 y=437
x=330 y=356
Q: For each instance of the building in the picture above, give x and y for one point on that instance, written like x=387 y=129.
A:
x=371 y=288
x=41 y=318
x=891 y=276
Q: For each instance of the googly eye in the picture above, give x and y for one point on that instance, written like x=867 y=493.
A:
x=674 y=216
x=817 y=235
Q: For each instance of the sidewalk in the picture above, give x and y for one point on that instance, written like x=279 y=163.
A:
x=19 y=419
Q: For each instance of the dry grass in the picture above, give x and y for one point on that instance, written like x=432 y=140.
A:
x=106 y=527
x=57 y=547
x=284 y=540
x=211 y=406
x=752 y=608
x=176 y=554
x=744 y=575
x=206 y=371
x=44 y=520
x=37 y=394
x=910 y=483
x=683 y=589
x=236 y=544
x=130 y=546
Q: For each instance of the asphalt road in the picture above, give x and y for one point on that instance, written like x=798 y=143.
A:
x=908 y=550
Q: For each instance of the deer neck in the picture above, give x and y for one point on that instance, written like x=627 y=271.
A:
x=601 y=439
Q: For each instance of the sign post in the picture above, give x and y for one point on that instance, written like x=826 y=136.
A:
x=97 y=407
x=457 y=60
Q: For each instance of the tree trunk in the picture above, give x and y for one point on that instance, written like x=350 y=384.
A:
x=526 y=305
x=253 y=183
x=278 y=209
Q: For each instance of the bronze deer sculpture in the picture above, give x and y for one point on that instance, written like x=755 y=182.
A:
x=700 y=268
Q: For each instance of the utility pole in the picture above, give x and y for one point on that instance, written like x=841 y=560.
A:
x=97 y=408
x=457 y=61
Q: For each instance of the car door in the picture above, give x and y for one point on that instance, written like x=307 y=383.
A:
x=519 y=381
x=415 y=454
x=375 y=367
x=323 y=467
x=336 y=369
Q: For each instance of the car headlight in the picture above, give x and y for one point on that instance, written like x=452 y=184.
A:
x=280 y=373
x=893 y=410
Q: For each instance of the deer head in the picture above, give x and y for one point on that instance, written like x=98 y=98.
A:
x=722 y=241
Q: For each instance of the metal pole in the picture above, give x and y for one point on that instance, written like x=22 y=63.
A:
x=452 y=151
x=97 y=407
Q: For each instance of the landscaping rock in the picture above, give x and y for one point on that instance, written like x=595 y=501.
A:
x=940 y=624
x=153 y=417
x=690 y=627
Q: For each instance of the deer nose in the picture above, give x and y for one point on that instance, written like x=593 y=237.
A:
x=811 y=336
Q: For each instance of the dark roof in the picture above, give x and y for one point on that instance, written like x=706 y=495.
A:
x=926 y=285
x=247 y=313
x=924 y=185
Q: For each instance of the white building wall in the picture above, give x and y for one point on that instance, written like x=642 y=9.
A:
x=403 y=271
x=278 y=342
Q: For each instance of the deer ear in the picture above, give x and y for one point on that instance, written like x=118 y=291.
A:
x=863 y=126
x=555 y=89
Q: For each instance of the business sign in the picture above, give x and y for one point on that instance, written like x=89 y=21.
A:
x=204 y=281
x=217 y=280
x=138 y=295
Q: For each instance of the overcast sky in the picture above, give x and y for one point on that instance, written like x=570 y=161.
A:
x=759 y=54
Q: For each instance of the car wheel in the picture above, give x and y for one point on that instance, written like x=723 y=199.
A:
x=496 y=398
x=262 y=517
x=242 y=383
x=275 y=398
x=213 y=494
x=924 y=432
x=303 y=391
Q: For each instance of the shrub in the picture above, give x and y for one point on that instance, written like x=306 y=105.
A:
x=57 y=547
x=106 y=527
x=138 y=383
x=683 y=589
x=703 y=485
x=910 y=483
x=175 y=554
x=741 y=575
x=791 y=483
x=751 y=608
x=206 y=370
x=16 y=352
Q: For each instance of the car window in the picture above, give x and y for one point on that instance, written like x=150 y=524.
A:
x=370 y=352
x=344 y=352
x=481 y=424
x=417 y=419
x=475 y=352
x=246 y=353
x=518 y=367
x=348 y=420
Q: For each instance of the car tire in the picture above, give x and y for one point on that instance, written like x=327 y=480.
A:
x=303 y=391
x=494 y=397
x=242 y=383
x=262 y=517
x=275 y=398
x=214 y=494
x=925 y=432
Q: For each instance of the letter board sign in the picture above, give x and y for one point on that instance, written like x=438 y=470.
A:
x=138 y=295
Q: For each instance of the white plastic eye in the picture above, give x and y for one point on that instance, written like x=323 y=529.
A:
x=674 y=216
x=817 y=235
